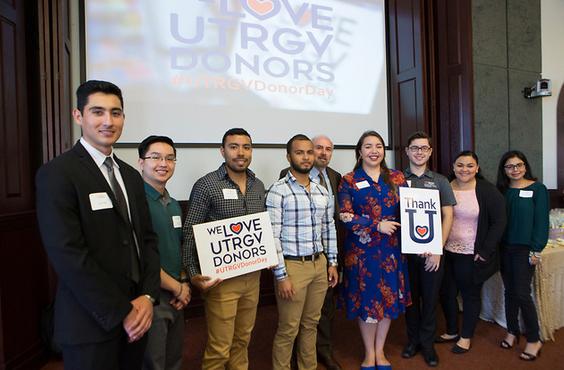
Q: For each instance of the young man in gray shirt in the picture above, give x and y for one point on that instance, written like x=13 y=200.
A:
x=425 y=271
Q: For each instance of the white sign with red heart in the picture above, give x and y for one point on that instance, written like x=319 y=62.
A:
x=421 y=230
x=235 y=246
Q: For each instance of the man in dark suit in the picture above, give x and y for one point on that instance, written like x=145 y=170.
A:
x=96 y=229
x=330 y=179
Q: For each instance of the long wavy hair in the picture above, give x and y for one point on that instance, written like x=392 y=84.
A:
x=384 y=170
x=502 y=179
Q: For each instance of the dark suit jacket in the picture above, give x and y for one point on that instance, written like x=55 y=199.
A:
x=334 y=180
x=90 y=250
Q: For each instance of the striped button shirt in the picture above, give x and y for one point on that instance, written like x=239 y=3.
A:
x=302 y=221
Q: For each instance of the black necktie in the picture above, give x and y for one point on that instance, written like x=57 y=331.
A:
x=122 y=207
x=118 y=193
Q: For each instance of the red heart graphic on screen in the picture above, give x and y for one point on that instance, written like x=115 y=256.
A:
x=236 y=228
x=261 y=7
x=422 y=230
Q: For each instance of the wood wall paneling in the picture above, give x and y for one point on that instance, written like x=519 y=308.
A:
x=453 y=22
x=23 y=291
x=34 y=81
x=22 y=261
x=15 y=172
x=409 y=110
x=55 y=55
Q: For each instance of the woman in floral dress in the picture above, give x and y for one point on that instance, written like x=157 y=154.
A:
x=375 y=288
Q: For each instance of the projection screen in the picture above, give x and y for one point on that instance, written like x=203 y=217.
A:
x=191 y=69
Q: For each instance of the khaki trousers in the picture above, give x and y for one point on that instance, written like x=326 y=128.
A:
x=231 y=309
x=299 y=316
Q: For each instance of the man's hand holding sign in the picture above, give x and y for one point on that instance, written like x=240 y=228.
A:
x=233 y=247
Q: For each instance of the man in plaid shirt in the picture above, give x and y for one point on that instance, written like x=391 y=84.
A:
x=231 y=305
x=304 y=232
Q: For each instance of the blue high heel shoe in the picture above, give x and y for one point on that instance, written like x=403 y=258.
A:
x=384 y=367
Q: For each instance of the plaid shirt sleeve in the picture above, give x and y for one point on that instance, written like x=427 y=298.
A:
x=274 y=202
x=199 y=206
x=329 y=233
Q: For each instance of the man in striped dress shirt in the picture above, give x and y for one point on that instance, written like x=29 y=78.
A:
x=304 y=232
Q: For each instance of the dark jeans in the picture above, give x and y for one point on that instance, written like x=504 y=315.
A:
x=459 y=277
x=517 y=275
x=420 y=317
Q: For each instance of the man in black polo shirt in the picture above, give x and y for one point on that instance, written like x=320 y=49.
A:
x=425 y=271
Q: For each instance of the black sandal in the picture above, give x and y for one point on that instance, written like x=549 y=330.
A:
x=505 y=344
x=456 y=349
x=526 y=356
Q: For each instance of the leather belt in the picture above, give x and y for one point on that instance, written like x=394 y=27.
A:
x=311 y=257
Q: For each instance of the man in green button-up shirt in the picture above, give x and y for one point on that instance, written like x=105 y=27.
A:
x=157 y=160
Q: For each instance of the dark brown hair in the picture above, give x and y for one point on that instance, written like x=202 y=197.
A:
x=384 y=170
x=502 y=179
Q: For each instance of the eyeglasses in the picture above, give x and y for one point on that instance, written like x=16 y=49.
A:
x=415 y=148
x=512 y=167
x=159 y=158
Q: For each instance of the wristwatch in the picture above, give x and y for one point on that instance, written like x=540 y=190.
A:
x=150 y=298
x=333 y=264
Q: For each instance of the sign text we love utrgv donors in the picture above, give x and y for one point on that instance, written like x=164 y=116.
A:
x=235 y=246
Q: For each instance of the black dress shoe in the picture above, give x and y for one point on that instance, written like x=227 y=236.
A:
x=458 y=350
x=410 y=350
x=431 y=358
x=328 y=361
x=440 y=339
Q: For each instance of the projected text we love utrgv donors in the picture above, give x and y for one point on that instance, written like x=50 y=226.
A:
x=262 y=38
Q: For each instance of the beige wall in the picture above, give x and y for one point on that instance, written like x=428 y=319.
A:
x=552 y=29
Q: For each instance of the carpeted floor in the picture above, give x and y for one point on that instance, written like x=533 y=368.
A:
x=484 y=355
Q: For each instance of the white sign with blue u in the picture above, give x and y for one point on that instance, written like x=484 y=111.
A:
x=421 y=230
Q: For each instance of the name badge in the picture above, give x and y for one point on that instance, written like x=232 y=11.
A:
x=362 y=184
x=100 y=201
x=526 y=194
x=176 y=222
x=408 y=183
x=230 y=194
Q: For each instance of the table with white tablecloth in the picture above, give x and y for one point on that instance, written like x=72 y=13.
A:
x=548 y=293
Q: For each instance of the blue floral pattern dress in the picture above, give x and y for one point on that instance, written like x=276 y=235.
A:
x=375 y=284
